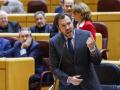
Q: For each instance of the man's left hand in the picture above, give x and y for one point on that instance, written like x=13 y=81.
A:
x=90 y=42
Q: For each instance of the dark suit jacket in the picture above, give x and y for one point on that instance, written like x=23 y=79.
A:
x=12 y=27
x=4 y=44
x=32 y=51
x=82 y=64
x=59 y=9
x=45 y=29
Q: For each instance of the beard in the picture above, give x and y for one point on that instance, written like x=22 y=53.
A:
x=40 y=25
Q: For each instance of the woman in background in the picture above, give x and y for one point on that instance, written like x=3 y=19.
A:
x=82 y=14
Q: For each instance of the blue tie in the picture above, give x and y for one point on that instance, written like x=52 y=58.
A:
x=70 y=46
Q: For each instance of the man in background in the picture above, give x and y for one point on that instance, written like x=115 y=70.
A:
x=7 y=26
x=4 y=44
x=59 y=8
x=65 y=7
x=41 y=25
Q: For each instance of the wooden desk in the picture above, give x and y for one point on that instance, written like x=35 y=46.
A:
x=15 y=73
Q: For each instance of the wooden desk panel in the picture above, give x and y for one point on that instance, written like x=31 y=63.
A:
x=16 y=73
x=91 y=1
x=2 y=73
x=36 y=36
x=17 y=17
x=2 y=80
x=99 y=41
x=109 y=16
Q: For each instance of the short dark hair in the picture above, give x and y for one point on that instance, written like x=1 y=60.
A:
x=59 y=16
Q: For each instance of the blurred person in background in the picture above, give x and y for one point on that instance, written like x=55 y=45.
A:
x=4 y=44
x=7 y=26
x=82 y=14
x=68 y=7
x=41 y=25
x=12 y=6
x=59 y=8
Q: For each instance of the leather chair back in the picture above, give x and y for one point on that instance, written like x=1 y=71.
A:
x=37 y=5
x=108 y=5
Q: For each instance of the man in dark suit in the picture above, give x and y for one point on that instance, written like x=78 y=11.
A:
x=72 y=54
x=41 y=25
x=7 y=26
x=27 y=47
x=4 y=44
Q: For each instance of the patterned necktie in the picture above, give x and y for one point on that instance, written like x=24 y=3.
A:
x=70 y=46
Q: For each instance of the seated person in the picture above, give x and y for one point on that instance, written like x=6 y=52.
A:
x=4 y=44
x=7 y=26
x=12 y=6
x=82 y=14
x=41 y=25
x=27 y=47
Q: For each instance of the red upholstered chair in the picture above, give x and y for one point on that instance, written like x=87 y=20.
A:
x=102 y=28
x=108 y=5
x=37 y=5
